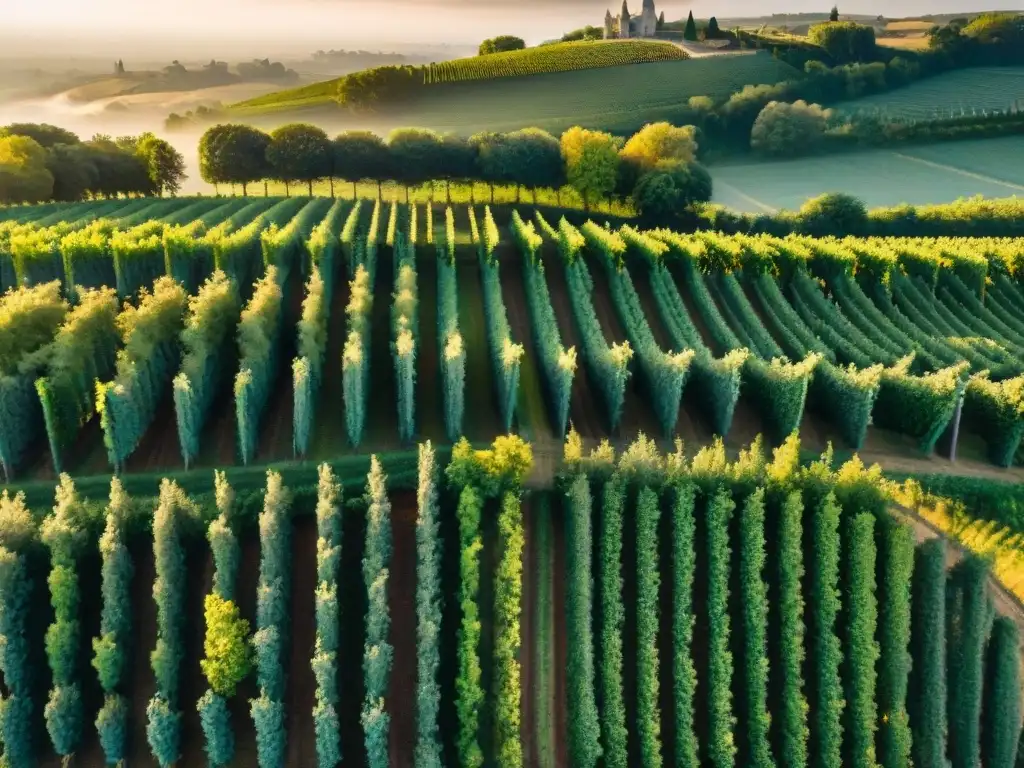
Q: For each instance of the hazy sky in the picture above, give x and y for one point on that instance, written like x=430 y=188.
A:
x=296 y=24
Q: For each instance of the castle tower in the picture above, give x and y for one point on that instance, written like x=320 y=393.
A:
x=648 y=25
x=624 y=21
x=609 y=25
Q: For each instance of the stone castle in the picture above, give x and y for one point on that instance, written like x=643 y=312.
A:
x=644 y=25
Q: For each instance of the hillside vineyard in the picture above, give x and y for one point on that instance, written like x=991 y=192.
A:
x=183 y=333
x=697 y=596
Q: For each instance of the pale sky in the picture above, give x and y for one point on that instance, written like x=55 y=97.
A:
x=296 y=24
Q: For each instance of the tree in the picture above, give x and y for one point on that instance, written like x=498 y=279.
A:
x=789 y=129
x=415 y=155
x=712 y=32
x=428 y=610
x=721 y=747
x=861 y=648
x=300 y=152
x=228 y=655
x=233 y=154
x=1001 y=715
x=508 y=597
x=24 y=176
x=74 y=170
x=648 y=581
x=362 y=155
x=591 y=162
x=834 y=13
x=690 y=31
x=660 y=145
x=535 y=160
x=897 y=568
x=44 y=134
x=500 y=44
x=844 y=41
x=458 y=161
x=792 y=720
x=661 y=21
x=827 y=704
x=165 y=164
x=661 y=196
x=833 y=214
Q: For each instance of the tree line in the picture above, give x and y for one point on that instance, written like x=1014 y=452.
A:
x=43 y=162
x=656 y=166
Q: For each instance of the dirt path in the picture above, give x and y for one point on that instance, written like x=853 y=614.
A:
x=482 y=421
x=301 y=684
x=530 y=642
x=401 y=703
x=429 y=398
x=561 y=640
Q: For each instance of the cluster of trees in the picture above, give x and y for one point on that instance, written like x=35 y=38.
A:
x=42 y=162
x=501 y=44
x=657 y=165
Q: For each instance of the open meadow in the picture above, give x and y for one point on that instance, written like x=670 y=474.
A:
x=963 y=91
x=918 y=175
x=616 y=98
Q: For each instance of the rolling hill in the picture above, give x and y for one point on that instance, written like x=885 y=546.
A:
x=616 y=98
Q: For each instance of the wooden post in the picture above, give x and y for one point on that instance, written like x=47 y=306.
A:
x=956 y=425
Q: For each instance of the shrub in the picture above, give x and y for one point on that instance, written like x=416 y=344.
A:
x=215 y=720
x=792 y=722
x=861 y=648
x=228 y=655
x=163 y=731
x=828 y=702
x=469 y=695
x=324 y=661
x=684 y=671
x=613 y=616
x=1000 y=725
x=377 y=654
x=897 y=568
x=754 y=598
x=453 y=358
x=112 y=727
x=789 y=129
x=721 y=748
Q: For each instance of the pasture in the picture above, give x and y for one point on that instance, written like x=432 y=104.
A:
x=961 y=91
x=939 y=173
x=612 y=98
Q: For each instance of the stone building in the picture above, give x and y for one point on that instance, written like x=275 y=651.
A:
x=644 y=25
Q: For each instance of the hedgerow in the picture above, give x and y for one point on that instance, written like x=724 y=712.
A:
x=997 y=409
x=82 y=354
x=862 y=650
x=721 y=744
x=754 y=598
x=791 y=722
x=926 y=702
x=378 y=652
x=145 y=366
x=506 y=355
x=558 y=364
x=648 y=581
x=213 y=314
x=405 y=334
x=272 y=620
x=1001 y=712
x=584 y=725
x=325 y=652
x=612 y=618
x=896 y=551
x=469 y=694
x=356 y=355
x=428 y=611
x=607 y=365
x=828 y=701
x=138 y=255
x=449 y=339
x=110 y=648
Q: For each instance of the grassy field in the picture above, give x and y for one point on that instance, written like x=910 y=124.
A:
x=613 y=98
x=964 y=90
x=938 y=173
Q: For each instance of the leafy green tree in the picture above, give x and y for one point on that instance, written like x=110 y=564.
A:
x=690 y=30
x=362 y=155
x=458 y=161
x=24 y=176
x=833 y=213
x=300 y=153
x=377 y=654
x=663 y=195
x=721 y=746
x=896 y=569
x=228 y=656
x=834 y=14
x=536 y=160
x=789 y=129
x=660 y=145
x=271 y=737
x=927 y=687
x=415 y=155
x=165 y=164
x=163 y=731
x=46 y=135
x=591 y=162
x=112 y=727
x=584 y=726
x=501 y=44
x=1001 y=713
x=844 y=41
x=233 y=154
x=324 y=662
x=712 y=32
